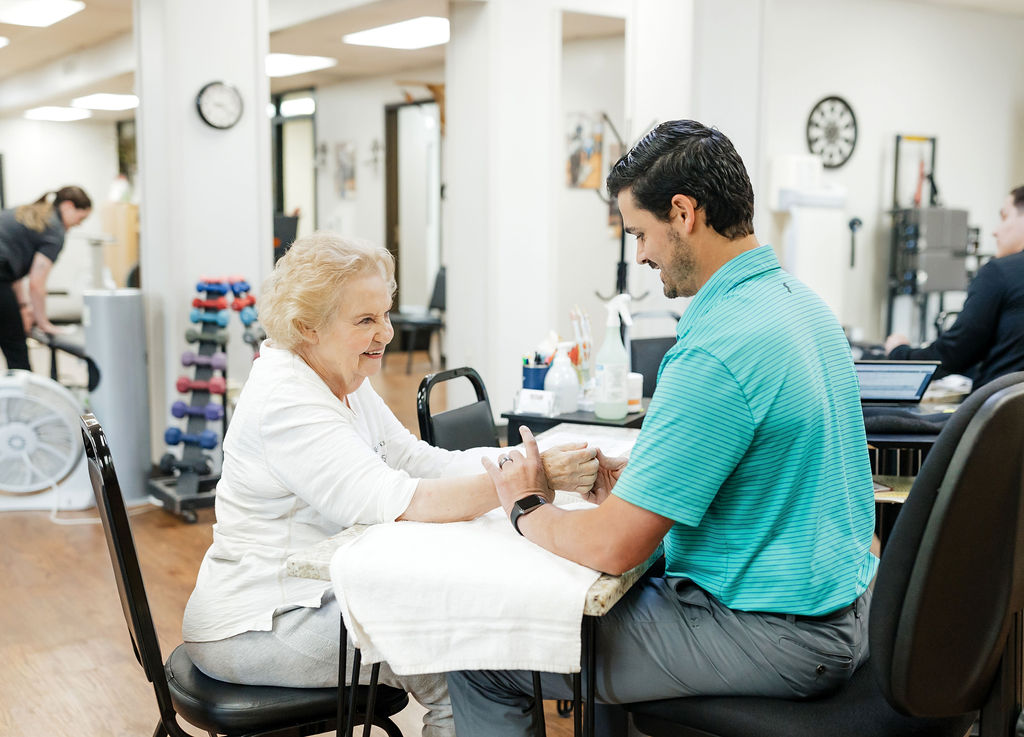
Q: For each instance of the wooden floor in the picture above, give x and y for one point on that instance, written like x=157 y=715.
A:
x=66 y=662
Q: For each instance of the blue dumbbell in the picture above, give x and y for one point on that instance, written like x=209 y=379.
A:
x=206 y=439
x=240 y=287
x=248 y=315
x=220 y=317
x=212 y=287
x=211 y=411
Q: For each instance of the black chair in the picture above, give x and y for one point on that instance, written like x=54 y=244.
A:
x=645 y=354
x=410 y=326
x=181 y=688
x=945 y=631
x=469 y=426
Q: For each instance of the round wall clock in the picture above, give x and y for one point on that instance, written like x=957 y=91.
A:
x=219 y=104
x=832 y=131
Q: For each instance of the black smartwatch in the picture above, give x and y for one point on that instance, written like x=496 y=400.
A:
x=524 y=506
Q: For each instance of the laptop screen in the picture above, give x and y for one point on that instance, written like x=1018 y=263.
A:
x=894 y=381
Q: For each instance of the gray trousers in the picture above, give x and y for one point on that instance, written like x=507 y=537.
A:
x=301 y=651
x=668 y=638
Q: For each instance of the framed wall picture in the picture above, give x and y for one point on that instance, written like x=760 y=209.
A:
x=584 y=137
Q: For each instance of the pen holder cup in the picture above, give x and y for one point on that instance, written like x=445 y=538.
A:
x=533 y=376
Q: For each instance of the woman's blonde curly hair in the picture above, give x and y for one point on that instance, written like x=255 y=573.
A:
x=302 y=293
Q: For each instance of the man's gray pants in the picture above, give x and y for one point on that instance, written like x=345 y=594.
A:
x=668 y=638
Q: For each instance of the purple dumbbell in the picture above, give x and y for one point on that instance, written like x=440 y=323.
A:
x=218 y=360
x=211 y=411
x=206 y=439
x=220 y=337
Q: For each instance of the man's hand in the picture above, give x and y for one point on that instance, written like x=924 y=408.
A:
x=895 y=340
x=570 y=467
x=517 y=474
x=608 y=471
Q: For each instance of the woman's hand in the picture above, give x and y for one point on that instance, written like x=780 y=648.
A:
x=569 y=467
x=608 y=471
x=28 y=317
x=518 y=474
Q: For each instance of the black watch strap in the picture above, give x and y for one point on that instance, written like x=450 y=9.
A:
x=524 y=506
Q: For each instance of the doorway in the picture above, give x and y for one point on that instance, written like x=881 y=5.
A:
x=413 y=199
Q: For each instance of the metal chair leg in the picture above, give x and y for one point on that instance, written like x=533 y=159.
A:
x=539 y=728
x=371 y=700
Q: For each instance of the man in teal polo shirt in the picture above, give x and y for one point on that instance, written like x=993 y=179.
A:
x=751 y=469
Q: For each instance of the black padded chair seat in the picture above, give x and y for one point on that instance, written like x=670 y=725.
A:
x=221 y=707
x=859 y=710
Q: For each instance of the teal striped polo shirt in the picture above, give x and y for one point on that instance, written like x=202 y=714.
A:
x=754 y=446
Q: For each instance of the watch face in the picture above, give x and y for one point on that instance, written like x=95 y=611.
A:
x=832 y=131
x=219 y=105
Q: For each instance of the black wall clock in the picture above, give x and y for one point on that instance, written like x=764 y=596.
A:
x=832 y=131
x=219 y=104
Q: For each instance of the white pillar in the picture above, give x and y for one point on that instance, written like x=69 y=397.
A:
x=502 y=167
x=206 y=193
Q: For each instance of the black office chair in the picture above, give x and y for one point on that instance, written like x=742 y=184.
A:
x=181 y=688
x=945 y=629
x=469 y=426
x=410 y=326
x=645 y=354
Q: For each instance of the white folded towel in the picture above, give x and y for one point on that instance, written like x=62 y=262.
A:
x=430 y=598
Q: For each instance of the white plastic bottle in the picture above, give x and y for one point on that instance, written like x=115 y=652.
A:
x=611 y=365
x=563 y=380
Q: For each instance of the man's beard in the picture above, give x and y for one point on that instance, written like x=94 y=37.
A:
x=679 y=275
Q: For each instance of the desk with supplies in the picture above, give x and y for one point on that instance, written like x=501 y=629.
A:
x=541 y=423
x=441 y=558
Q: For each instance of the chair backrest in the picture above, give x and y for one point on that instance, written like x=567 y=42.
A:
x=437 y=297
x=125 y=561
x=469 y=426
x=950 y=583
x=645 y=354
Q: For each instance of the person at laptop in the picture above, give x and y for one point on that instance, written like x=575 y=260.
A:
x=751 y=469
x=988 y=335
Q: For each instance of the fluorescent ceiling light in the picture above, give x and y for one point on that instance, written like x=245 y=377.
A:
x=57 y=114
x=298 y=106
x=285 y=65
x=106 y=101
x=4 y=41
x=38 y=13
x=416 y=33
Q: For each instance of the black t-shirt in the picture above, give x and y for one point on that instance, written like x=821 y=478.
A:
x=19 y=245
x=989 y=332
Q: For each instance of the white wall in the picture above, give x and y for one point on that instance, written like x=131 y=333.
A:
x=587 y=251
x=354 y=113
x=40 y=157
x=904 y=68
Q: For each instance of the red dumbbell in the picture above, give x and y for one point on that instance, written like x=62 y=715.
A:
x=218 y=361
x=219 y=303
x=239 y=302
x=216 y=385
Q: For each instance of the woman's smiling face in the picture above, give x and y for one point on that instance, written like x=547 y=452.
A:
x=351 y=347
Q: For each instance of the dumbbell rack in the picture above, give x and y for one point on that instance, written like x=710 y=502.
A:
x=193 y=486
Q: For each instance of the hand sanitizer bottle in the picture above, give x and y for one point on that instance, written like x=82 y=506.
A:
x=610 y=364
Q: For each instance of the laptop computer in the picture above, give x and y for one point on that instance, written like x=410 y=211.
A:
x=894 y=383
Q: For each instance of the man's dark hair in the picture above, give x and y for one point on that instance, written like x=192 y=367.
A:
x=1018 y=198
x=686 y=157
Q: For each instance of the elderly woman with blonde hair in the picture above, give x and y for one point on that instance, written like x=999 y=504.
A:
x=312 y=450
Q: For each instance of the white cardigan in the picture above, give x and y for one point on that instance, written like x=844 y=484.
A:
x=299 y=466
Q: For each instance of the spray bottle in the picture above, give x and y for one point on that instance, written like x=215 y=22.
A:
x=611 y=365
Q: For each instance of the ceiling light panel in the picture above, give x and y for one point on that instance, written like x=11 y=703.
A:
x=57 y=114
x=285 y=65
x=4 y=41
x=37 y=13
x=416 y=33
x=106 y=101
